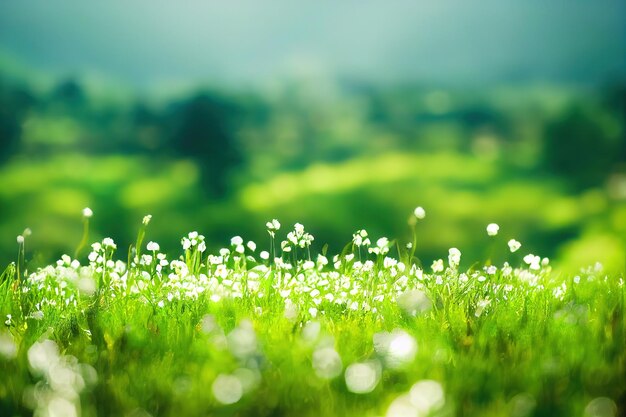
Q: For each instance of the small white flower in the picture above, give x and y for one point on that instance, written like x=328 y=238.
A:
x=419 y=212
x=20 y=239
x=274 y=225
x=533 y=261
x=437 y=265
x=146 y=219
x=153 y=246
x=514 y=245
x=87 y=212
x=264 y=255
x=454 y=257
x=235 y=241
x=492 y=229
x=251 y=245
x=107 y=242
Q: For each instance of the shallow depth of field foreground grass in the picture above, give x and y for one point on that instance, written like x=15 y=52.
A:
x=281 y=331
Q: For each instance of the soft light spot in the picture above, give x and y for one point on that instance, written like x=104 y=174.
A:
x=414 y=302
x=427 y=395
x=402 y=407
x=327 y=363
x=61 y=407
x=242 y=340
x=601 y=407
x=42 y=355
x=402 y=348
x=8 y=348
x=227 y=389
x=362 y=378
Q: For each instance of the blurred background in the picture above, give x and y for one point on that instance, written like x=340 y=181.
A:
x=219 y=116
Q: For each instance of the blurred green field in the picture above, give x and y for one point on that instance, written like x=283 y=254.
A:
x=545 y=162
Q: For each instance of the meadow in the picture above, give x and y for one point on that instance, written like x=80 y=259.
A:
x=278 y=328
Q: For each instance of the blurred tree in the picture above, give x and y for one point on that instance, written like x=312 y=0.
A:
x=583 y=146
x=70 y=92
x=203 y=129
x=14 y=105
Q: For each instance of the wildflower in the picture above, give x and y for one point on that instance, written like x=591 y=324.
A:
x=87 y=212
x=437 y=265
x=9 y=320
x=532 y=261
x=153 y=246
x=559 y=292
x=146 y=219
x=108 y=243
x=236 y=241
x=20 y=239
x=381 y=247
x=360 y=238
x=419 y=212
x=454 y=257
x=251 y=245
x=264 y=255
x=272 y=227
x=492 y=229
x=514 y=245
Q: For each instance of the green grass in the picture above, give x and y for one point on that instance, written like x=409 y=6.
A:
x=368 y=332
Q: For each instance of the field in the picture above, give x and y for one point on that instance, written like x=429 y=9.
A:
x=275 y=329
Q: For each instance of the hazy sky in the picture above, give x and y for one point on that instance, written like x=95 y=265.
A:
x=144 y=42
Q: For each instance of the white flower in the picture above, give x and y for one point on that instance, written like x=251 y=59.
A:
x=87 y=212
x=514 y=245
x=153 y=246
x=533 y=261
x=146 y=219
x=264 y=255
x=454 y=257
x=235 y=241
x=20 y=239
x=492 y=229
x=251 y=245
x=186 y=243
x=273 y=225
x=437 y=265
x=107 y=242
x=419 y=212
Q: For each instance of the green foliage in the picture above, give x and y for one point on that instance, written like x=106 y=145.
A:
x=365 y=332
